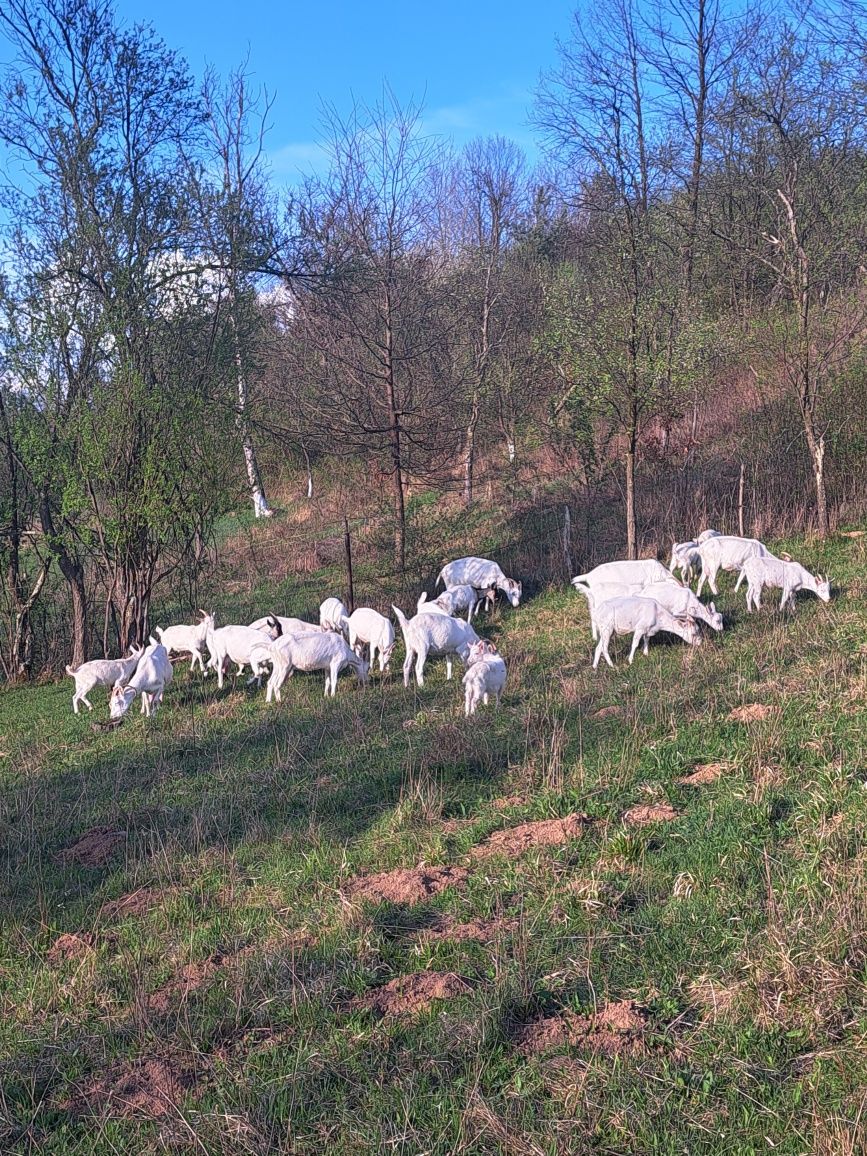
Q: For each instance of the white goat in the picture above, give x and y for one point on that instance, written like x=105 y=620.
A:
x=434 y=634
x=601 y=592
x=638 y=572
x=682 y=603
x=457 y=599
x=485 y=676
x=188 y=639
x=102 y=672
x=685 y=558
x=287 y=625
x=333 y=615
x=481 y=573
x=369 y=627
x=642 y=618
x=238 y=643
x=326 y=651
x=726 y=552
x=790 y=577
x=705 y=534
x=152 y=675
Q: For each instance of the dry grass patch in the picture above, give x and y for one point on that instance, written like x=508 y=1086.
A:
x=407 y=885
x=752 y=712
x=714 y=997
x=545 y=833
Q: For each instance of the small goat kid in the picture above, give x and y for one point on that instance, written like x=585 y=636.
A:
x=190 y=640
x=435 y=634
x=481 y=573
x=457 y=599
x=152 y=675
x=642 y=618
x=102 y=672
x=780 y=574
x=485 y=676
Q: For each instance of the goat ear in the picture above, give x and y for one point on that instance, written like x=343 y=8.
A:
x=711 y=608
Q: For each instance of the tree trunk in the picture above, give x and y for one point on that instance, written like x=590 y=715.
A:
x=73 y=572
x=394 y=442
x=817 y=458
x=254 y=479
x=631 y=534
x=470 y=450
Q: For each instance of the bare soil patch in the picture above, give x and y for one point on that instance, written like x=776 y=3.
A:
x=752 y=712
x=134 y=903
x=411 y=994
x=191 y=978
x=151 y=1087
x=71 y=945
x=544 y=833
x=476 y=930
x=704 y=773
x=616 y=1029
x=642 y=814
x=407 y=885
x=506 y=801
x=93 y=848
x=608 y=712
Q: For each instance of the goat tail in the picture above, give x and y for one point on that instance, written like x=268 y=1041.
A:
x=422 y=599
x=579 y=581
x=401 y=618
x=440 y=578
x=71 y=670
x=277 y=625
x=158 y=630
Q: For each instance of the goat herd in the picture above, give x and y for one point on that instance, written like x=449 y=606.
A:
x=640 y=598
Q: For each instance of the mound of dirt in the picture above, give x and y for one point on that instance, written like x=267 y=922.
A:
x=616 y=1029
x=476 y=930
x=93 y=848
x=411 y=994
x=190 y=978
x=150 y=1087
x=642 y=814
x=407 y=885
x=752 y=712
x=514 y=841
x=71 y=945
x=135 y=903
x=508 y=801
x=704 y=773
x=608 y=712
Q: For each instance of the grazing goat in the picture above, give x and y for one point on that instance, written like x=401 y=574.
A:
x=481 y=573
x=326 y=651
x=101 y=672
x=238 y=643
x=485 y=676
x=642 y=618
x=682 y=603
x=287 y=625
x=457 y=599
x=633 y=573
x=152 y=675
x=434 y=634
x=705 y=534
x=369 y=627
x=603 y=592
x=790 y=577
x=726 y=552
x=188 y=639
x=333 y=615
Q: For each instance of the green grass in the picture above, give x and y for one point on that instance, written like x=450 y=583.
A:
x=740 y=928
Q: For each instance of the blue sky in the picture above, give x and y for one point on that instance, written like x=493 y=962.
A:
x=474 y=64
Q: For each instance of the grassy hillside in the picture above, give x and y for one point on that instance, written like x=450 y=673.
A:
x=201 y=949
